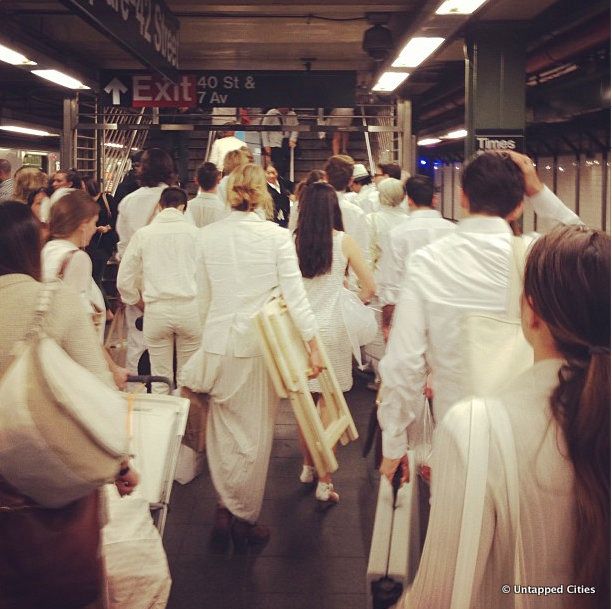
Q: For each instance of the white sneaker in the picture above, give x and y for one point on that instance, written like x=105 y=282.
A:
x=308 y=474
x=325 y=492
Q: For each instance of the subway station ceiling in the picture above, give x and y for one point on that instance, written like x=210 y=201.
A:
x=317 y=35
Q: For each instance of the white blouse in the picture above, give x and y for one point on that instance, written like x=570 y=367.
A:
x=547 y=504
x=77 y=275
x=241 y=261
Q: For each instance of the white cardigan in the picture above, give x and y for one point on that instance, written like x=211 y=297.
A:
x=241 y=261
x=547 y=504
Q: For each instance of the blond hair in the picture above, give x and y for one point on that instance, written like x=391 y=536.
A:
x=391 y=192
x=247 y=189
x=27 y=180
x=233 y=159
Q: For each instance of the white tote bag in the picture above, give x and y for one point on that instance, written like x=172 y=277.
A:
x=360 y=321
x=494 y=347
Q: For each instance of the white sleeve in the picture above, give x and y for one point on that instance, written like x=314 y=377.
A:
x=390 y=271
x=292 y=286
x=214 y=155
x=374 y=245
x=433 y=583
x=546 y=204
x=129 y=276
x=77 y=275
x=122 y=229
x=403 y=370
x=202 y=281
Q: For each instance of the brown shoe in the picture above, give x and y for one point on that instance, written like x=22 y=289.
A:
x=222 y=530
x=245 y=534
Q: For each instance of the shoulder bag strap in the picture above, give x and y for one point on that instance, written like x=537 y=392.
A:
x=502 y=429
x=150 y=218
x=65 y=262
x=517 y=270
x=473 y=506
x=106 y=205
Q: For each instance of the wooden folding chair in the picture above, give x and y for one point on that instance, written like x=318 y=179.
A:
x=288 y=363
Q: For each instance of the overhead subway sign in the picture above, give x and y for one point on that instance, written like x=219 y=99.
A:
x=145 y=28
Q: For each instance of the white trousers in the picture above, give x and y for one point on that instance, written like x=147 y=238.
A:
x=168 y=323
x=135 y=341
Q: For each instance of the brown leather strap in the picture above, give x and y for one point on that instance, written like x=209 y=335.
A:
x=65 y=262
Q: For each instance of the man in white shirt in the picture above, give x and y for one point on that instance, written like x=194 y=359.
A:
x=339 y=170
x=423 y=226
x=467 y=271
x=226 y=143
x=159 y=270
x=276 y=144
x=155 y=173
x=366 y=191
x=206 y=207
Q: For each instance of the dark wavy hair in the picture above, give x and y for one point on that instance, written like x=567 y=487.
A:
x=567 y=283
x=20 y=240
x=156 y=166
x=319 y=216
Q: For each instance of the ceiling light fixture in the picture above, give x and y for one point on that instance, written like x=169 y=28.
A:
x=26 y=130
x=454 y=135
x=416 y=51
x=113 y=145
x=389 y=81
x=459 y=7
x=14 y=58
x=428 y=141
x=59 y=78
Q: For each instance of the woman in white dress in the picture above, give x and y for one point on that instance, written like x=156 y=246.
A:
x=559 y=415
x=242 y=261
x=324 y=253
x=72 y=224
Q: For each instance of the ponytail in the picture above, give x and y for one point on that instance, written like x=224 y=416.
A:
x=567 y=280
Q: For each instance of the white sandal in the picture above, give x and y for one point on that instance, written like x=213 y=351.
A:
x=325 y=492
x=308 y=474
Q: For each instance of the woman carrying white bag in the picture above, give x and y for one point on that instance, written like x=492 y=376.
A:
x=521 y=480
x=50 y=555
x=324 y=251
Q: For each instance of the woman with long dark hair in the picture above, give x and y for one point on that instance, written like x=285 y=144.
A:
x=324 y=253
x=559 y=415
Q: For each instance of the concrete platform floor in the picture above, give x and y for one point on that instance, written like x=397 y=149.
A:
x=316 y=558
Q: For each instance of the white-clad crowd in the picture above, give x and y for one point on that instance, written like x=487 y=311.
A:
x=193 y=274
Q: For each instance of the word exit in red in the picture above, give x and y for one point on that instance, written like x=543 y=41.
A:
x=151 y=91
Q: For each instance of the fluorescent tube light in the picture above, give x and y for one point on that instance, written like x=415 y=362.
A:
x=455 y=135
x=459 y=7
x=428 y=141
x=389 y=81
x=26 y=130
x=416 y=51
x=59 y=78
x=14 y=58
x=113 y=145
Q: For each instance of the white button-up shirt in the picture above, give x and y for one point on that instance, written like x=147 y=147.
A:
x=355 y=224
x=135 y=211
x=241 y=261
x=274 y=139
x=206 y=208
x=420 y=228
x=160 y=260
x=464 y=272
x=367 y=198
x=379 y=224
x=221 y=147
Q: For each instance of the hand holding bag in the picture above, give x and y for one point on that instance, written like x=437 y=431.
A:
x=63 y=432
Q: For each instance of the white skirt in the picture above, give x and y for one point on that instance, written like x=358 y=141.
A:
x=240 y=426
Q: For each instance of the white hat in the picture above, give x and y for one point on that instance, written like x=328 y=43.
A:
x=359 y=171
